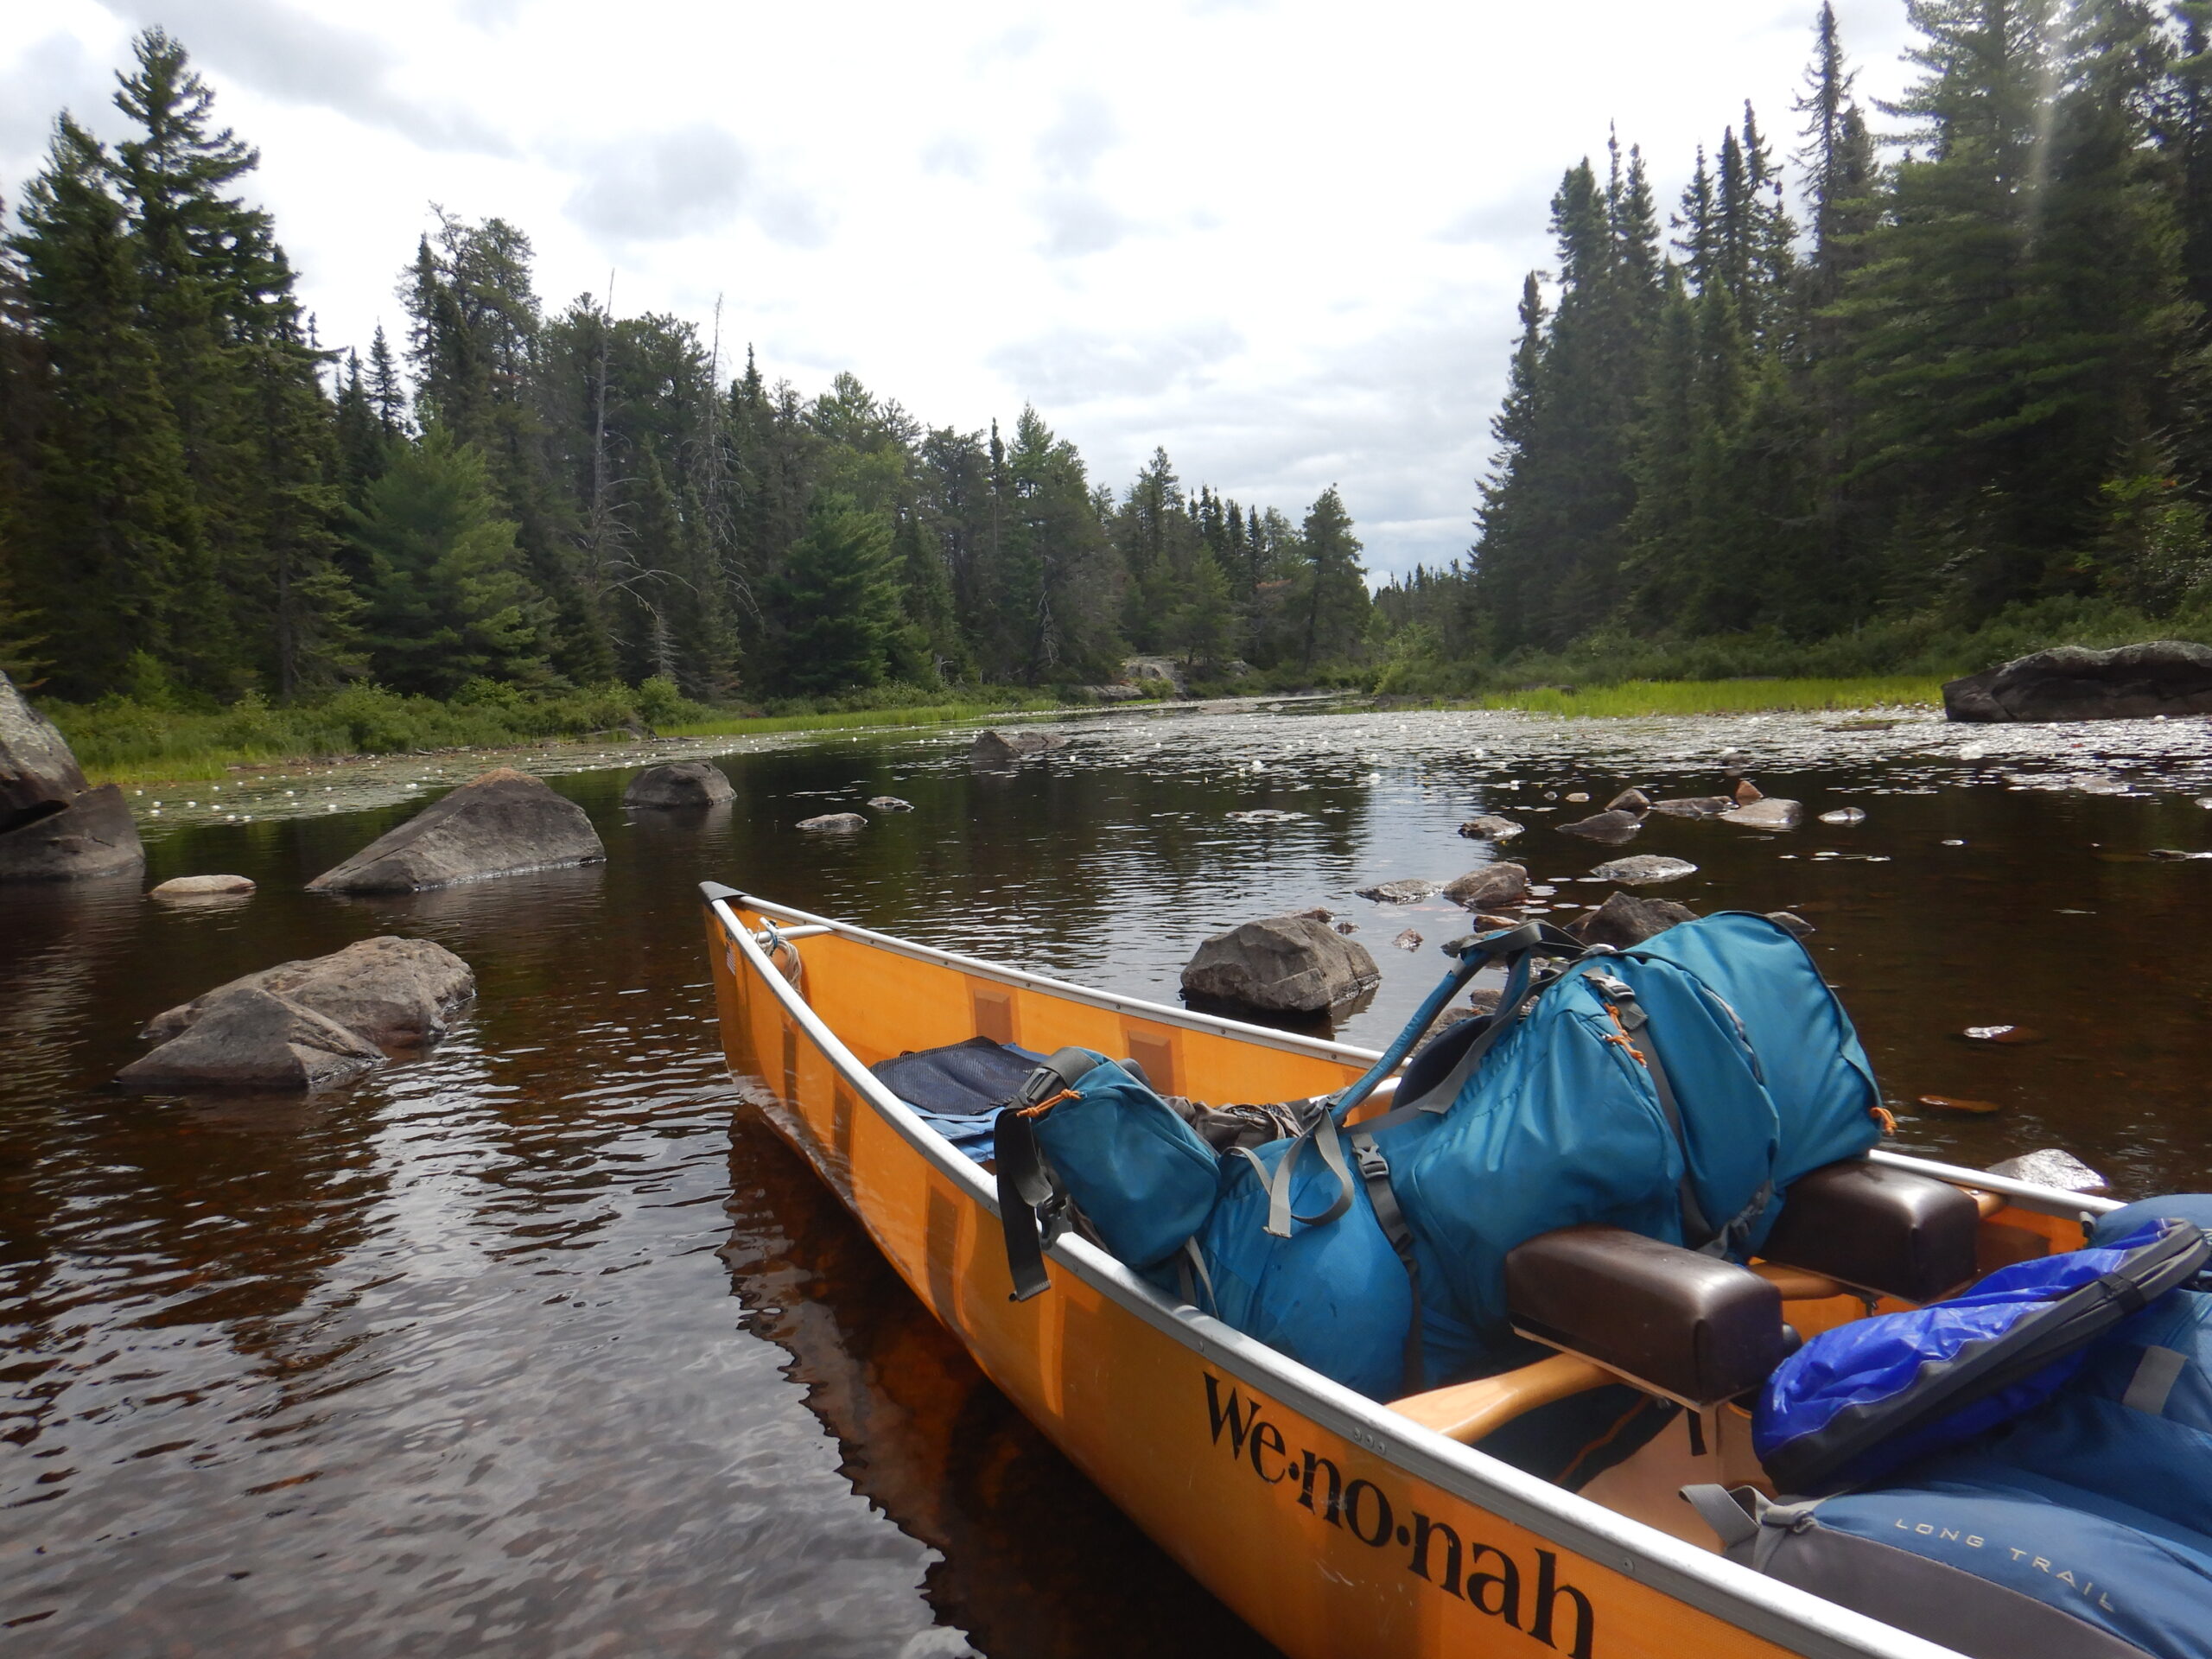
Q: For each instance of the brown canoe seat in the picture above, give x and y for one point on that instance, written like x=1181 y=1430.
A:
x=1691 y=1328
x=1877 y=1229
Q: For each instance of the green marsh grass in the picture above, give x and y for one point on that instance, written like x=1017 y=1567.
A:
x=1647 y=697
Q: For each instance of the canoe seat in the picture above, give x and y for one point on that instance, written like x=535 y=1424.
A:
x=1877 y=1229
x=1689 y=1327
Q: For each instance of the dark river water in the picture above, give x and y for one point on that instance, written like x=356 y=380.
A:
x=543 y=1344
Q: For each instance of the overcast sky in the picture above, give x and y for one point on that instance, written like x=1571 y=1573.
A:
x=1283 y=240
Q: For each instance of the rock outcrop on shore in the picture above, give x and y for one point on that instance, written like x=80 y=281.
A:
x=305 y=1023
x=502 y=823
x=680 y=783
x=54 y=826
x=2164 y=676
x=1281 y=964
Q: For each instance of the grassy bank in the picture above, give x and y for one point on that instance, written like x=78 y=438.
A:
x=1718 y=696
x=121 y=739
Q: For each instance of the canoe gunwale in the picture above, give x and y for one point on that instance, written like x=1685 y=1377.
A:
x=1792 y=1618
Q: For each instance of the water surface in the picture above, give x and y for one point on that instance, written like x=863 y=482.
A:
x=543 y=1343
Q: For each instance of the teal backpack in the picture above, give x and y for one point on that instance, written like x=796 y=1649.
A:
x=1674 y=1089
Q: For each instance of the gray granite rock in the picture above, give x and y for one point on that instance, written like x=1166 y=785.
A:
x=680 y=783
x=1281 y=964
x=503 y=823
x=389 y=991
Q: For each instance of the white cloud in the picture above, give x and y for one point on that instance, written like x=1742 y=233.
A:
x=1284 y=240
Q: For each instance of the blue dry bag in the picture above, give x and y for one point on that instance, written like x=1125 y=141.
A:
x=1861 y=1400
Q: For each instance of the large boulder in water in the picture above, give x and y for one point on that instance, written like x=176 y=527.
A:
x=683 y=783
x=54 y=826
x=2165 y=676
x=392 y=992
x=1281 y=964
x=253 y=1039
x=997 y=747
x=1500 y=883
x=1625 y=920
x=503 y=823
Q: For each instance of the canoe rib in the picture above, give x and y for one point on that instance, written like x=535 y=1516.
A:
x=1792 y=1620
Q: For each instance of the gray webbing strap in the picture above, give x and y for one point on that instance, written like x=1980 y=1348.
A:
x=1718 y=1508
x=1326 y=1142
x=2156 y=1374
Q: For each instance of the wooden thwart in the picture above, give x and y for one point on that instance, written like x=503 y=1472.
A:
x=1467 y=1411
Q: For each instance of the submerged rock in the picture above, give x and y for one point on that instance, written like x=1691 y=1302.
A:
x=1695 y=806
x=1493 y=884
x=2162 y=676
x=1281 y=965
x=1953 y=1106
x=888 y=803
x=835 y=823
x=1604 y=826
x=1346 y=928
x=502 y=823
x=997 y=745
x=1411 y=891
x=392 y=992
x=1645 y=870
x=1797 y=926
x=1488 y=828
x=1767 y=813
x=2048 y=1167
x=54 y=825
x=1408 y=940
x=203 y=886
x=1625 y=920
x=1629 y=800
x=1845 y=814
x=253 y=1039
x=682 y=783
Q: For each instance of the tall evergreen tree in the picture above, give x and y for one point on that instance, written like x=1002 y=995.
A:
x=450 y=601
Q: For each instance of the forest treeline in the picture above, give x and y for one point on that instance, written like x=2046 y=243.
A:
x=1953 y=378
x=200 y=502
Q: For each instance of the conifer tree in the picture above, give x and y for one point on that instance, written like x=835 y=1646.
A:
x=449 y=600
x=1334 y=600
x=113 y=535
x=839 y=598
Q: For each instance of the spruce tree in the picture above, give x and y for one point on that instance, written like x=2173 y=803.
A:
x=112 y=536
x=839 y=600
x=450 y=601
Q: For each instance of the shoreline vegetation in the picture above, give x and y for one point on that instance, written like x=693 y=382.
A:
x=121 y=741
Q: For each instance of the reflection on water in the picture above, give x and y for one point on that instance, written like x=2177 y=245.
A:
x=544 y=1341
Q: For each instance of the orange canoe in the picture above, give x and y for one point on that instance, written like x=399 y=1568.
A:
x=1331 y=1524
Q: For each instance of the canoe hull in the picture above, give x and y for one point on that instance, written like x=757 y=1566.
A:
x=1330 y=1524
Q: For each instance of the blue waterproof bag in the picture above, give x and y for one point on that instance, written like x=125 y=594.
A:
x=1139 y=1177
x=1867 y=1398
x=2082 y=1526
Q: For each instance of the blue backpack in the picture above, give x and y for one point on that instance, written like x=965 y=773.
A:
x=1637 y=1088
x=1086 y=1141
